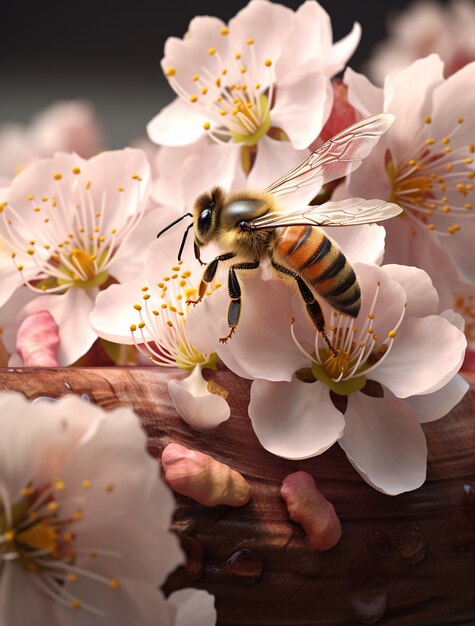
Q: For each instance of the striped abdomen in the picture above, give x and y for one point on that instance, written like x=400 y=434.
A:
x=319 y=261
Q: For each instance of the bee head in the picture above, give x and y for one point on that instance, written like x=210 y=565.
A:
x=206 y=213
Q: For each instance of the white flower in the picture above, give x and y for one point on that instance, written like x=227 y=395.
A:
x=71 y=225
x=244 y=87
x=84 y=518
x=152 y=312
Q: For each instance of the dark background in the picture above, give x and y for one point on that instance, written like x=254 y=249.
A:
x=110 y=54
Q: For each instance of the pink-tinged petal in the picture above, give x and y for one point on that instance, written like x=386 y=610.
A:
x=194 y=607
x=202 y=478
x=11 y=281
x=454 y=318
x=343 y=50
x=422 y=298
x=294 y=420
x=213 y=165
x=275 y=158
x=365 y=97
x=364 y=244
x=411 y=105
x=38 y=340
x=196 y=404
x=113 y=311
x=168 y=187
x=409 y=243
x=9 y=315
x=307 y=506
x=308 y=38
x=264 y=22
x=433 y=406
x=342 y=114
x=177 y=124
x=303 y=104
x=134 y=602
x=120 y=178
x=460 y=248
x=385 y=443
x=426 y=353
x=448 y=105
x=70 y=312
x=21 y=601
x=128 y=263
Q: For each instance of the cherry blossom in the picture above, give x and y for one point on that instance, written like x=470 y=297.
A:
x=391 y=369
x=425 y=163
x=71 y=550
x=151 y=312
x=252 y=94
x=71 y=226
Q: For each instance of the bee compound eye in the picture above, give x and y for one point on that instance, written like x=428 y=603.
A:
x=243 y=225
x=204 y=220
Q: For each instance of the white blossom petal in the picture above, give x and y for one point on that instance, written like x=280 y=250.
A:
x=433 y=406
x=194 y=607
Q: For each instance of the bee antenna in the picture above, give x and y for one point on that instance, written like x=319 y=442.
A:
x=183 y=241
x=164 y=230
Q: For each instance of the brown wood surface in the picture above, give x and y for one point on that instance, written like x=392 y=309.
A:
x=407 y=560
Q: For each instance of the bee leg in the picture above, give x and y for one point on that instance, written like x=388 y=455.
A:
x=208 y=276
x=313 y=308
x=197 y=253
x=234 y=288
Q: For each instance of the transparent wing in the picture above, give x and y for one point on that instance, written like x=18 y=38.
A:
x=342 y=213
x=336 y=158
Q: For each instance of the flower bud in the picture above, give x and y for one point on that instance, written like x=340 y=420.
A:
x=38 y=340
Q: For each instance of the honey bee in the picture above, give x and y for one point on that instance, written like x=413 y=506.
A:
x=250 y=226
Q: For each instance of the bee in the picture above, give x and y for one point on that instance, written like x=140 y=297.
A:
x=250 y=226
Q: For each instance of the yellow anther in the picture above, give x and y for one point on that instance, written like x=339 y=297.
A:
x=76 y=170
x=237 y=56
x=71 y=578
x=428 y=120
x=145 y=288
x=219 y=99
x=166 y=278
x=110 y=488
x=37 y=209
x=249 y=41
x=30 y=197
x=57 y=176
x=52 y=506
x=469 y=187
x=26 y=491
x=224 y=31
x=59 y=485
x=447 y=150
x=411 y=162
x=392 y=334
x=453 y=229
x=155 y=312
x=471 y=147
x=78 y=515
x=164 y=306
x=257 y=85
x=86 y=484
x=75 y=604
x=431 y=226
x=137 y=307
x=218 y=82
x=141 y=325
x=460 y=120
x=186 y=274
x=19 y=267
x=429 y=142
x=206 y=125
x=211 y=51
x=161 y=285
x=195 y=78
x=371 y=316
x=113 y=583
x=442 y=187
x=133 y=328
x=468 y=160
x=120 y=189
x=267 y=62
x=445 y=140
x=170 y=324
x=171 y=71
x=193 y=98
x=467 y=206
x=30 y=251
x=9 y=535
x=446 y=208
x=146 y=296
x=176 y=268
x=113 y=231
x=204 y=90
x=182 y=283
x=375 y=337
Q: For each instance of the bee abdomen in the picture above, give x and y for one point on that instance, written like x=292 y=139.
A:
x=323 y=266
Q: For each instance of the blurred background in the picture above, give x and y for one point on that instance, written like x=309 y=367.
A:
x=110 y=53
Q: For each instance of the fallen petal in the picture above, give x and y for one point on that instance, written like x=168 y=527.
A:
x=307 y=506
x=202 y=478
x=38 y=340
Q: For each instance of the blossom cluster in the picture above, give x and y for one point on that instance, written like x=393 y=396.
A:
x=362 y=357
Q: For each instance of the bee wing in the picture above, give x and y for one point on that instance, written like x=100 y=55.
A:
x=342 y=213
x=336 y=158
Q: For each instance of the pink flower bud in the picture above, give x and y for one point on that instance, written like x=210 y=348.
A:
x=307 y=506
x=37 y=340
x=342 y=113
x=202 y=478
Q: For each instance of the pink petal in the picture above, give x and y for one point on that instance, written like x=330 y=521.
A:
x=343 y=50
x=422 y=298
x=194 y=607
x=433 y=406
x=294 y=420
x=365 y=97
x=426 y=353
x=385 y=443
x=177 y=124
x=196 y=404
x=38 y=341
x=303 y=104
x=448 y=105
x=342 y=114
x=363 y=243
